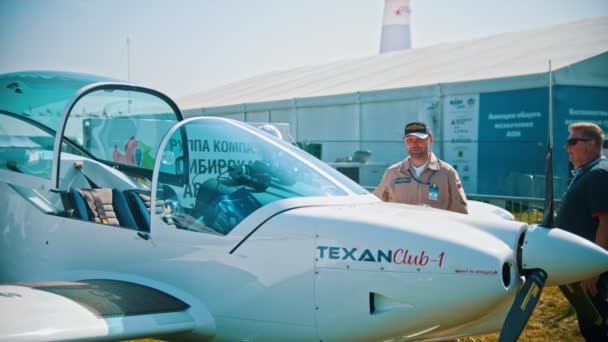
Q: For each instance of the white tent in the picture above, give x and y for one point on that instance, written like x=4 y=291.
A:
x=507 y=55
x=464 y=89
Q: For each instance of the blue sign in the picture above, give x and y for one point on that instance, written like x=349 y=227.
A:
x=512 y=141
x=574 y=104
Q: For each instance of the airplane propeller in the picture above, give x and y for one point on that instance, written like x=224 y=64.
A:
x=525 y=301
x=529 y=294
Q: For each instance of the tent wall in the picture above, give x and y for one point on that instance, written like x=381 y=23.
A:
x=512 y=140
x=494 y=131
x=591 y=72
x=345 y=123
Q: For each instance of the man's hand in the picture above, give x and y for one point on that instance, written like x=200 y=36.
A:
x=601 y=239
x=590 y=286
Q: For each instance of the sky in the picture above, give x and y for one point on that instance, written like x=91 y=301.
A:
x=181 y=47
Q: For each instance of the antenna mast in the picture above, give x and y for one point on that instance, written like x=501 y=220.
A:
x=548 y=218
x=128 y=58
x=550 y=105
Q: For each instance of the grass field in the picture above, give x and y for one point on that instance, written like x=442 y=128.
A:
x=552 y=320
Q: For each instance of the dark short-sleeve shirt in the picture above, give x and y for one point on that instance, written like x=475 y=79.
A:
x=585 y=201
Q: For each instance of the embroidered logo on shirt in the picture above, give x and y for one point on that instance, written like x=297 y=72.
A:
x=401 y=180
x=458 y=184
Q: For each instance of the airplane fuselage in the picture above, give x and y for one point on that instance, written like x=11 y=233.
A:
x=316 y=268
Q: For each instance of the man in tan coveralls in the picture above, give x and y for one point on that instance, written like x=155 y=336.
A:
x=422 y=178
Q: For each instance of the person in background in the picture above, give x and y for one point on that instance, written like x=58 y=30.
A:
x=584 y=212
x=422 y=178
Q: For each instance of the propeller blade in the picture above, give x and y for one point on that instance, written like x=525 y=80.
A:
x=525 y=301
x=548 y=217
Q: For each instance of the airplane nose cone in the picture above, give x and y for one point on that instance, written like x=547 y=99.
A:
x=566 y=257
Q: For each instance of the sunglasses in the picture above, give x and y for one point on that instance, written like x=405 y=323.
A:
x=574 y=141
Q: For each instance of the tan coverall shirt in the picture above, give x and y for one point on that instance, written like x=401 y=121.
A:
x=438 y=186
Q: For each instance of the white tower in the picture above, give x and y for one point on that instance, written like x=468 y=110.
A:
x=396 y=26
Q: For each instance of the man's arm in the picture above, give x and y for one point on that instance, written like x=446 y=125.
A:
x=601 y=236
x=381 y=190
x=458 y=200
x=601 y=239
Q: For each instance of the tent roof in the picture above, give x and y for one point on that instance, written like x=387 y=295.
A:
x=499 y=56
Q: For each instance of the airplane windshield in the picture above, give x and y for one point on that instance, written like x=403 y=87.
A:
x=66 y=138
x=233 y=170
x=41 y=95
x=120 y=126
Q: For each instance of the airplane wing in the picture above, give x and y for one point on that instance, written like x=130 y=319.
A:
x=96 y=309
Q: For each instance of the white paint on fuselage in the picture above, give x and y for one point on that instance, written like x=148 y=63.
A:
x=276 y=278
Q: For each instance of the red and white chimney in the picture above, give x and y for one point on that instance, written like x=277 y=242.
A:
x=396 y=26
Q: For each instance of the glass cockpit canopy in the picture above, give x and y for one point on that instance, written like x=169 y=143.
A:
x=41 y=96
x=210 y=174
x=231 y=169
x=112 y=122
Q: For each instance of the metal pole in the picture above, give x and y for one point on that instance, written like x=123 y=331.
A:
x=128 y=58
x=548 y=217
x=550 y=105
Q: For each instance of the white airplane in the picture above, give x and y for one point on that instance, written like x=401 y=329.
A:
x=121 y=220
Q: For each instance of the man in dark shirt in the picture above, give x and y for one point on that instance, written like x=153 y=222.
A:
x=584 y=212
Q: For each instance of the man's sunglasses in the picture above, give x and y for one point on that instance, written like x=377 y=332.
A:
x=574 y=141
